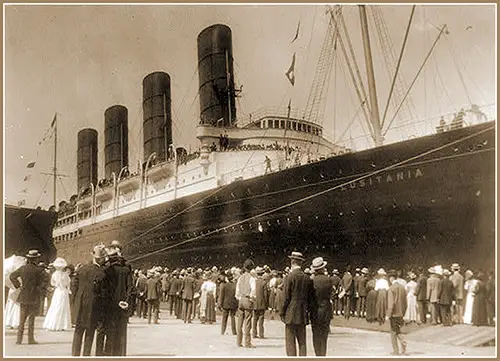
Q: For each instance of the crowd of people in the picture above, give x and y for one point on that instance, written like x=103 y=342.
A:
x=97 y=299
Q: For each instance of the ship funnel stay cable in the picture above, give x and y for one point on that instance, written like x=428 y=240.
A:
x=339 y=186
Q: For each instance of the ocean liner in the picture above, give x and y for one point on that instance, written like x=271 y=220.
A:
x=270 y=183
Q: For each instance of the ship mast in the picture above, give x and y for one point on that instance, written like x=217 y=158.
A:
x=228 y=84
x=55 y=159
x=372 y=90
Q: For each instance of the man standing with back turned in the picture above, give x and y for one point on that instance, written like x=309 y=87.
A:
x=396 y=308
x=298 y=299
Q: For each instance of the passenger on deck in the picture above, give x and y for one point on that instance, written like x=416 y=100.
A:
x=268 y=165
x=441 y=128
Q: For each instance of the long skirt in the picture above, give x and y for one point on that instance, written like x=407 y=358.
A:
x=381 y=306
x=58 y=316
x=371 y=301
x=210 y=309
x=12 y=309
x=411 y=309
x=469 y=305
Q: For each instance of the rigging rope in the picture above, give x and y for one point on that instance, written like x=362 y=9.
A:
x=274 y=210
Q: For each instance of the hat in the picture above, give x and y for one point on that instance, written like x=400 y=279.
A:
x=412 y=275
x=455 y=267
x=115 y=243
x=33 y=253
x=446 y=272
x=307 y=270
x=335 y=271
x=358 y=270
x=183 y=272
x=99 y=251
x=259 y=270
x=165 y=269
x=438 y=270
x=318 y=263
x=274 y=273
x=432 y=270
x=364 y=270
x=189 y=270
x=248 y=264
x=214 y=269
x=60 y=263
x=112 y=252
x=381 y=272
x=296 y=255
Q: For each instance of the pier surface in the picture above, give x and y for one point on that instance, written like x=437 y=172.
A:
x=355 y=337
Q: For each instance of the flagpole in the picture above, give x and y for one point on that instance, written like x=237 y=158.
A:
x=55 y=158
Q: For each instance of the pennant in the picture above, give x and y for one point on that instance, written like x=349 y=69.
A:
x=53 y=121
x=296 y=33
x=27 y=178
x=31 y=165
x=290 y=74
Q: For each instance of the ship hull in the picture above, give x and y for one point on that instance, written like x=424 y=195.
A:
x=416 y=202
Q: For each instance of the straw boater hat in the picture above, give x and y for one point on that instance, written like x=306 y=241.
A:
x=364 y=270
x=335 y=271
x=318 y=263
x=297 y=256
x=381 y=272
x=259 y=270
x=432 y=270
x=455 y=267
x=439 y=270
x=60 y=263
x=33 y=253
x=99 y=251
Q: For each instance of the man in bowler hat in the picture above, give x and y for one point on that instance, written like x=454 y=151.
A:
x=29 y=297
x=298 y=303
x=322 y=315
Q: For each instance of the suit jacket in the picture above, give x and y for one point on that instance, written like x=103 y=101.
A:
x=299 y=299
x=32 y=278
x=347 y=283
x=227 y=299
x=153 y=289
x=446 y=292
x=188 y=288
x=90 y=296
x=323 y=288
x=261 y=294
x=165 y=282
x=458 y=283
x=360 y=285
x=336 y=283
x=118 y=288
x=421 y=290
x=142 y=286
x=396 y=300
x=433 y=289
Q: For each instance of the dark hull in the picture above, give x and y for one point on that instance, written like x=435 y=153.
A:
x=27 y=229
x=420 y=201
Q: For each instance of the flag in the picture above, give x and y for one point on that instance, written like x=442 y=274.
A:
x=53 y=121
x=31 y=165
x=296 y=33
x=290 y=74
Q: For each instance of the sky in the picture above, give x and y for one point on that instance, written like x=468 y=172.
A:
x=78 y=60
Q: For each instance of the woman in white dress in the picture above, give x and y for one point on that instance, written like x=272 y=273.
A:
x=469 y=286
x=58 y=316
x=207 y=300
x=411 y=298
x=12 y=308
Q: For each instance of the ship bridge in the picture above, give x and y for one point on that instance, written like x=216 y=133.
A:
x=272 y=127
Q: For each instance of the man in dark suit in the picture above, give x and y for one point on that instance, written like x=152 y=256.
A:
x=89 y=304
x=361 y=291
x=337 y=303
x=348 y=286
x=446 y=295
x=421 y=293
x=433 y=290
x=188 y=290
x=261 y=302
x=298 y=303
x=153 y=294
x=29 y=297
x=228 y=303
x=320 y=319
x=458 y=284
x=142 y=305
x=396 y=309
x=119 y=294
